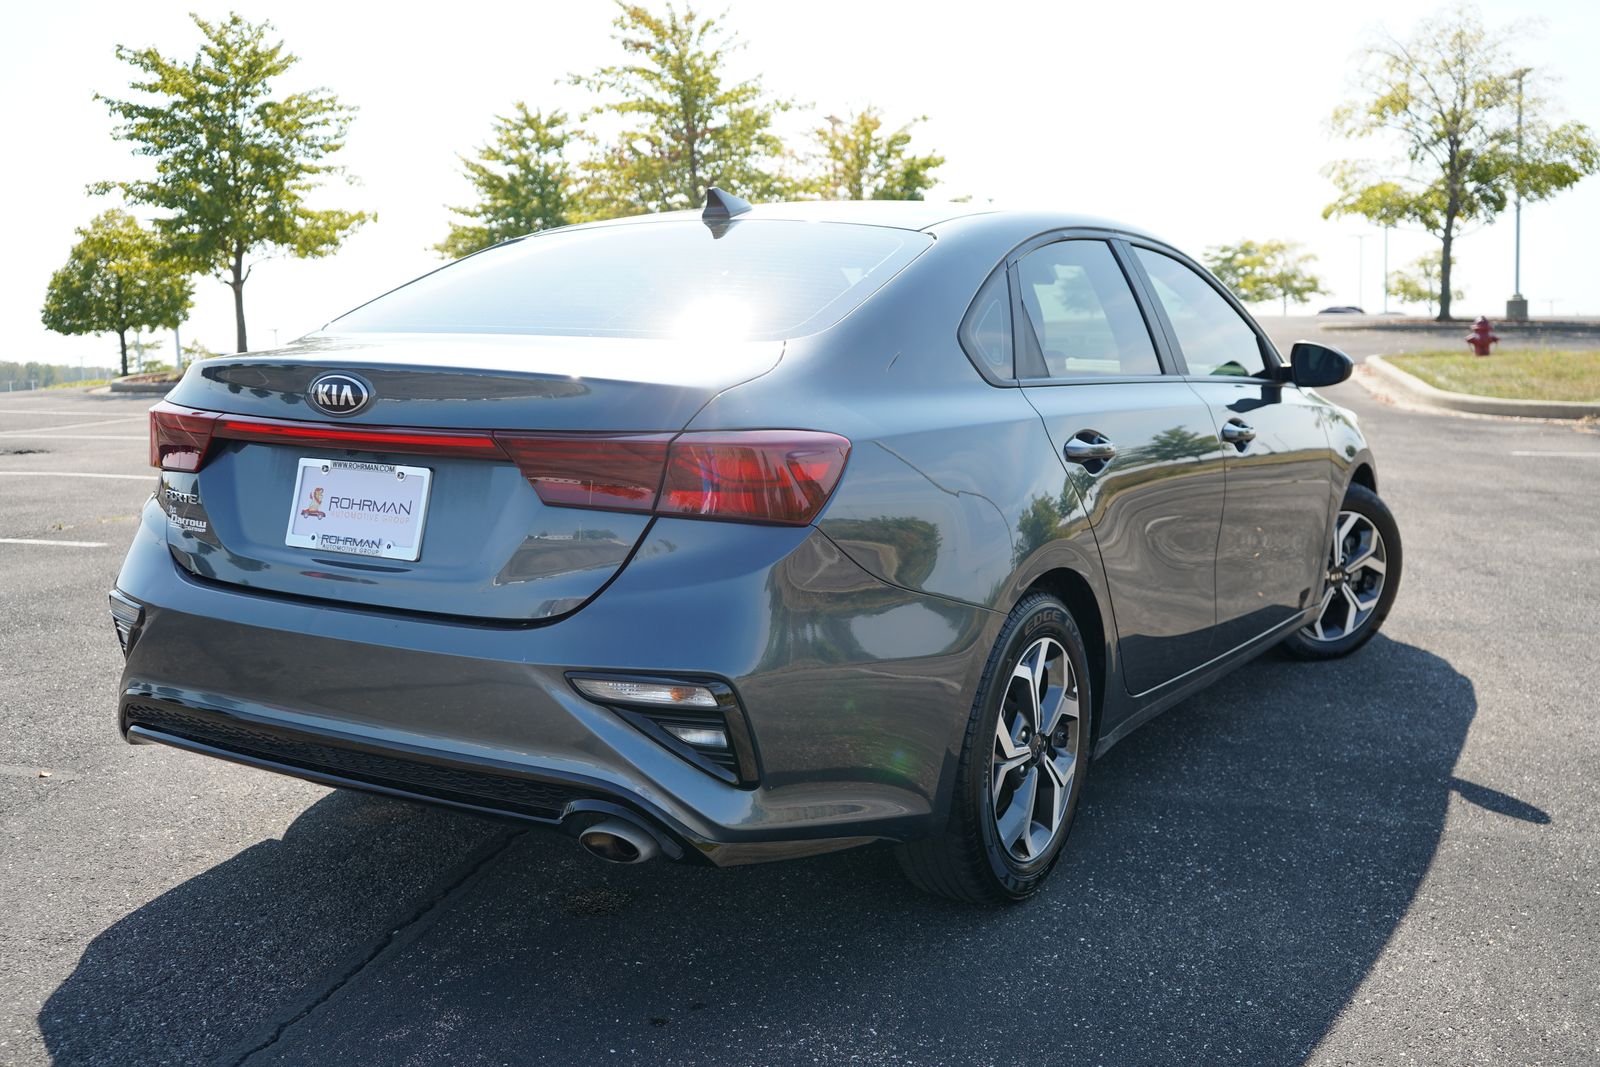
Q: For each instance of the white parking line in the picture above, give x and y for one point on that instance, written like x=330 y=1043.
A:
x=39 y=541
x=1569 y=455
x=98 y=437
x=77 y=474
x=51 y=411
x=69 y=426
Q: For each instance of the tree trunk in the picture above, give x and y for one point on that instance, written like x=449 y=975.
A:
x=1447 y=239
x=237 y=285
x=122 y=338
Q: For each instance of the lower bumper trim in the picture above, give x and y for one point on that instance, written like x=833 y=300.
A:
x=471 y=789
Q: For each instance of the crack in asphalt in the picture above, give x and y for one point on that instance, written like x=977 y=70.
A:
x=485 y=855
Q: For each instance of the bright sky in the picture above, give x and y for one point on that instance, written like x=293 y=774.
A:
x=1203 y=122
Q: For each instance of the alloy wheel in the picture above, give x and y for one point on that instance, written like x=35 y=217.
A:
x=1037 y=744
x=1357 y=567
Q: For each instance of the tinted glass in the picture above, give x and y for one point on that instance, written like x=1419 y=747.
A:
x=986 y=331
x=1213 y=336
x=1082 y=314
x=758 y=280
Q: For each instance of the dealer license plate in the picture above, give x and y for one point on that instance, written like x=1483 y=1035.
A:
x=364 y=509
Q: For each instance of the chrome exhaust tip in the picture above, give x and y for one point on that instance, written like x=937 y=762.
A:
x=616 y=841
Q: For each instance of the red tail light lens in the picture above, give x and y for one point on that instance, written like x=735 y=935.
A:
x=410 y=442
x=776 y=476
x=179 y=437
x=590 y=471
x=768 y=476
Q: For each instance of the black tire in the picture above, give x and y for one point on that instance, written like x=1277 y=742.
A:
x=969 y=861
x=1303 y=643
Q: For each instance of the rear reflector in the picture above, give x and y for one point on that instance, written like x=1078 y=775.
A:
x=651 y=694
x=765 y=476
x=127 y=615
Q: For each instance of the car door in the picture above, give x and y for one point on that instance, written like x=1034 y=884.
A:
x=1273 y=549
x=1138 y=444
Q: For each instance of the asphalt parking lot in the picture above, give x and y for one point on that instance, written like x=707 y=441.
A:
x=1394 y=858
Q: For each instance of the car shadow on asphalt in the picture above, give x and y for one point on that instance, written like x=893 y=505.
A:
x=1237 y=867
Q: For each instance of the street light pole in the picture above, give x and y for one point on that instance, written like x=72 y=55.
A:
x=1386 y=230
x=1517 y=306
x=1361 y=265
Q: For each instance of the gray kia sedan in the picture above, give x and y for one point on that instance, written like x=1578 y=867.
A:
x=751 y=533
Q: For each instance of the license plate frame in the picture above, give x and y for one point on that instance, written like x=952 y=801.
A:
x=359 y=508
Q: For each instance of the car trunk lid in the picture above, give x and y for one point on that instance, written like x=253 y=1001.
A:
x=490 y=548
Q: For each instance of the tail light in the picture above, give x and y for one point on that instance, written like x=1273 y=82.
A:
x=782 y=477
x=591 y=471
x=778 y=476
x=767 y=476
x=179 y=437
x=411 y=442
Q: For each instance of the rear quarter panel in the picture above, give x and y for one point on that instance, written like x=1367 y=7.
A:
x=952 y=488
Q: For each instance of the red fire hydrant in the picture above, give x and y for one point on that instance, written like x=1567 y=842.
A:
x=1482 y=336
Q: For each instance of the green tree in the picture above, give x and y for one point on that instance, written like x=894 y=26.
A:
x=115 y=280
x=684 y=126
x=197 y=350
x=233 y=162
x=1450 y=98
x=1420 y=285
x=523 y=180
x=859 y=160
x=1265 y=270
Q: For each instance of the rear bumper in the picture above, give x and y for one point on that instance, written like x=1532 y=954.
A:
x=856 y=692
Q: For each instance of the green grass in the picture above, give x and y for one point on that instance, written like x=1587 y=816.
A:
x=1514 y=373
x=79 y=384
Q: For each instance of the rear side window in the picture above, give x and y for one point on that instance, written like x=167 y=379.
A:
x=752 y=279
x=1214 y=338
x=1082 y=319
x=986 y=331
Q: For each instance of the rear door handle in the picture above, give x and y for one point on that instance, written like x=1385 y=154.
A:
x=1237 y=433
x=1089 y=447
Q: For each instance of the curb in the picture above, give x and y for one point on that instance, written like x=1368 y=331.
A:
x=151 y=388
x=1531 y=330
x=1419 y=391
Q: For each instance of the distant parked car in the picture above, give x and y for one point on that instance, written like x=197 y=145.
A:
x=752 y=534
x=1342 y=309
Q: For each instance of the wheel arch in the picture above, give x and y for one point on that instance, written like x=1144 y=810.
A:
x=1364 y=475
x=1075 y=591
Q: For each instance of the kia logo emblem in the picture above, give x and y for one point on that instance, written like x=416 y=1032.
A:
x=339 y=394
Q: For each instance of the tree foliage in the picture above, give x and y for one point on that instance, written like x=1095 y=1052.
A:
x=1448 y=96
x=116 y=279
x=36 y=375
x=682 y=125
x=233 y=161
x=859 y=160
x=1259 y=271
x=523 y=180
x=1420 y=284
x=671 y=122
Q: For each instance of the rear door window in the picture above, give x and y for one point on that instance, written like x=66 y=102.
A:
x=1081 y=319
x=751 y=279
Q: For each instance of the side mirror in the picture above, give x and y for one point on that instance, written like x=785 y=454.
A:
x=1312 y=365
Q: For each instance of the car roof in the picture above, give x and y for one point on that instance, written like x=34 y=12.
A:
x=905 y=215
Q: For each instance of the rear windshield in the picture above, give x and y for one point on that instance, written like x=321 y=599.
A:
x=752 y=279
